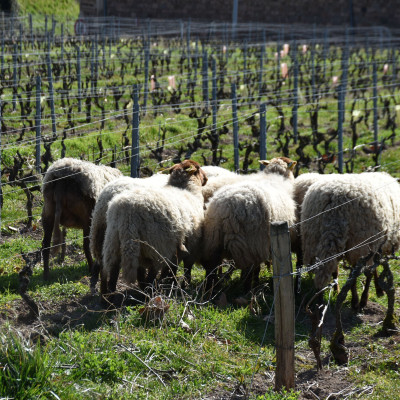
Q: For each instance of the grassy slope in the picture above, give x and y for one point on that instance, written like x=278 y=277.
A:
x=63 y=9
x=104 y=355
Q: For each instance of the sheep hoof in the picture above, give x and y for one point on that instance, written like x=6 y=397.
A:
x=389 y=325
x=356 y=306
x=338 y=349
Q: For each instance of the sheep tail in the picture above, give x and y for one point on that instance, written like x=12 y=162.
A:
x=130 y=253
x=121 y=248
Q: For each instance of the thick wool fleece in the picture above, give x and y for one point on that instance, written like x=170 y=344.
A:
x=213 y=171
x=347 y=217
x=99 y=222
x=90 y=178
x=301 y=184
x=147 y=226
x=238 y=218
x=276 y=166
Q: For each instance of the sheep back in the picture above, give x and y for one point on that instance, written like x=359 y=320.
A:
x=112 y=189
x=89 y=177
x=147 y=226
x=238 y=218
x=340 y=215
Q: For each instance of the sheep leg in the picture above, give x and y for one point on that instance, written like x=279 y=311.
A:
x=86 y=248
x=210 y=280
x=187 y=271
x=113 y=278
x=256 y=275
x=104 y=287
x=64 y=245
x=364 y=296
x=378 y=290
x=355 y=301
x=337 y=347
x=48 y=224
x=211 y=265
x=145 y=281
x=335 y=275
x=95 y=276
x=386 y=283
x=314 y=340
x=246 y=277
x=250 y=277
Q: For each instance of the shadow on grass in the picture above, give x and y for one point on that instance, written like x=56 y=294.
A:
x=255 y=327
x=71 y=273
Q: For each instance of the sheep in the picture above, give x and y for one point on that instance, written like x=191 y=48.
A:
x=99 y=223
x=238 y=218
x=70 y=190
x=345 y=217
x=301 y=185
x=213 y=171
x=149 y=227
x=217 y=181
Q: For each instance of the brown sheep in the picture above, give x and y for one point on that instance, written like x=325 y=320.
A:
x=70 y=190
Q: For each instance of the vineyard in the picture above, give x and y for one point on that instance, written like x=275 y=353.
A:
x=141 y=96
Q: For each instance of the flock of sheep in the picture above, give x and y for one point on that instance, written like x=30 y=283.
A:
x=193 y=214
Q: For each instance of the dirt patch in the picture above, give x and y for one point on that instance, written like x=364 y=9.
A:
x=332 y=382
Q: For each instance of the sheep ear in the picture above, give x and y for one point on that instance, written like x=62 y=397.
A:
x=264 y=162
x=165 y=171
x=291 y=165
x=191 y=170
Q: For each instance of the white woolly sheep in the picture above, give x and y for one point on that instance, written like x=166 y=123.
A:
x=213 y=171
x=99 y=222
x=238 y=218
x=300 y=188
x=70 y=190
x=301 y=185
x=149 y=227
x=347 y=217
x=217 y=181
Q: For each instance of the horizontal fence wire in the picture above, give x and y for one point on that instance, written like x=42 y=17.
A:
x=112 y=49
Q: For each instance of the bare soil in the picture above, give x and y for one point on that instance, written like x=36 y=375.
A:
x=330 y=383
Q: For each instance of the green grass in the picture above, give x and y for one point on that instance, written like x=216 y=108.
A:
x=25 y=369
x=62 y=9
x=93 y=353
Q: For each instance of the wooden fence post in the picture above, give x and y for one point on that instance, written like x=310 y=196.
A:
x=295 y=92
x=235 y=126
x=135 y=160
x=205 y=78
x=1 y=188
x=62 y=44
x=37 y=123
x=31 y=30
x=261 y=66
x=146 y=74
x=51 y=91
x=263 y=134
x=284 y=305
x=375 y=102
x=15 y=83
x=342 y=106
x=78 y=73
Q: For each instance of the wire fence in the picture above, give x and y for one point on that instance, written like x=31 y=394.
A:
x=306 y=77
x=332 y=98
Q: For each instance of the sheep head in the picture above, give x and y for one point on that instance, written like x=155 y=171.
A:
x=280 y=165
x=185 y=172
